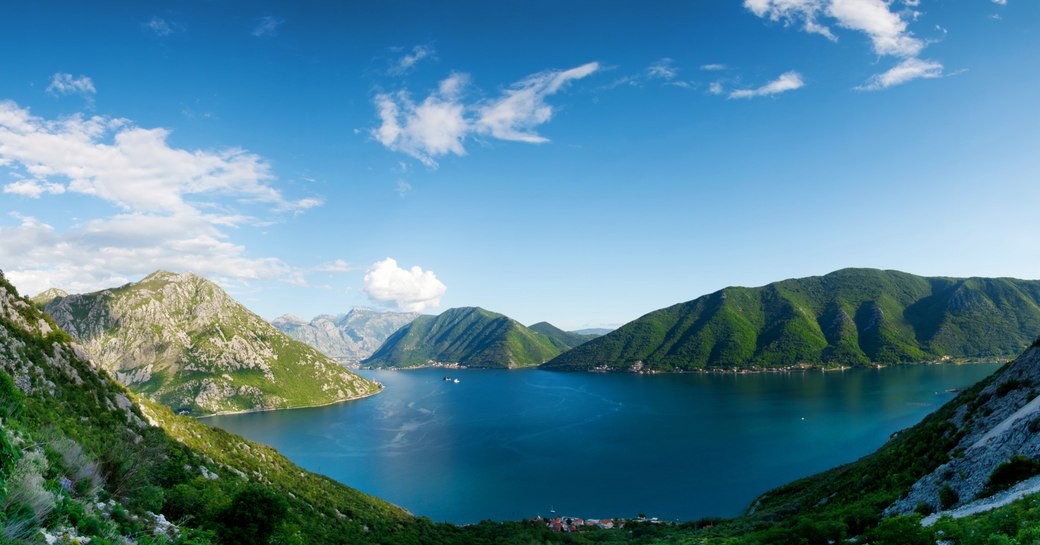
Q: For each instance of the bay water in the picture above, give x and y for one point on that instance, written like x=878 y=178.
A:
x=507 y=445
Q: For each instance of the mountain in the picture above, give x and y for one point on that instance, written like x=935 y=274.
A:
x=564 y=340
x=469 y=336
x=348 y=338
x=848 y=317
x=47 y=296
x=79 y=456
x=597 y=331
x=181 y=340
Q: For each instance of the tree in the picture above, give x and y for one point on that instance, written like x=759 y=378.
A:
x=254 y=514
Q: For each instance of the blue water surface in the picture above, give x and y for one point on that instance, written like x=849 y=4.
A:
x=506 y=445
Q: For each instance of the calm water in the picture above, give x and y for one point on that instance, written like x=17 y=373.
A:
x=510 y=444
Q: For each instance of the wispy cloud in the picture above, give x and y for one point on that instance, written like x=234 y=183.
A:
x=407 y=62
x=337 y=266
x=443 y=120
x=788 y=81
x=662 y=69
x=267 y=26
x=402 y=188
x=413 y=290
x=176 y=205
x=715 y=67
x=160 y=27
x=909 y=69
x=66 y=84
x=887 y=30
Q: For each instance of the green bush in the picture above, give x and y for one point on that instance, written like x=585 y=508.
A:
x=254 y=514
x=948 y=497
x=1006 y=475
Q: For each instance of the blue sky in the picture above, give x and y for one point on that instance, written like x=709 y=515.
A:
x=582 y=163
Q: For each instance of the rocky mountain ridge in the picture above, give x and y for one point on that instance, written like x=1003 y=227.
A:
x=350 y=337
x=184 y=342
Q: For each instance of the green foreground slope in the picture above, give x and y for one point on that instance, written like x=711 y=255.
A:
x=849 y=317
x=468 y=336
x=181 y=340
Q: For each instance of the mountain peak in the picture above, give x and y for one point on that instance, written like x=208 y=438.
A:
x=183 y=341
x=48 y=295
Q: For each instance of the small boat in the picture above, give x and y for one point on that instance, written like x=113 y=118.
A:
x=952 y=390
x=447 y=379
x=456 y=381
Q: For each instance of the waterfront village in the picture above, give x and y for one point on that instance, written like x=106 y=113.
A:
x=576 y=524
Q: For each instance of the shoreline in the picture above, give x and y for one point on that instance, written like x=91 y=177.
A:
x=336 y=402
x=788 y=369
x=709 y=370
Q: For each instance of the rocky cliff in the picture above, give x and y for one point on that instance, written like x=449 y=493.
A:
x=181 y=340
x=998 y=446
x=349 y=337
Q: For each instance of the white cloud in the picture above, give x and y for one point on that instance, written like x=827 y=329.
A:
x=413 y=290
x=887 y=30
x=111 y=251
x=514 y=115
x=335 y=266
x=406 y=63
x=176 y=204
x=442 y=121
x=1000 y=2
x=714 y=67
x=132 y=167
x=403 y=188
x=66 y=84
x=267 y=26
x=159 y=26
x=33 y=188
x=662 y=69
x=788 y=81
x=716 y=88
x=436 y=126
x=792 y=11
x=909 y=69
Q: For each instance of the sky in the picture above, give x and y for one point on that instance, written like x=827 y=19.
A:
x=583 y=162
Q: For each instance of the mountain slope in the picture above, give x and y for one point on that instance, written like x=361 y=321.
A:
x=65 y=418
x=349 y=338
x=181 y=340
x=564 y=340
x=848 y=317
x=469 y=336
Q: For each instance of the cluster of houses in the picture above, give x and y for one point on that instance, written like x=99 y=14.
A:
x=575 y=524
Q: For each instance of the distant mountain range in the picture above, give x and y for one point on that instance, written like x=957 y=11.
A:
x=349 y=337
x=849 y=317
x=182 y=341
x=564 y=340
x=472 y=337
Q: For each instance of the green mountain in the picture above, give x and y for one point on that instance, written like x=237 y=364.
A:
x=848 y=317
x=469 y=336
x=564 y=340
x=181 y=340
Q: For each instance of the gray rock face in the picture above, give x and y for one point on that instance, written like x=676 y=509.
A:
x=184 y=342
x=350 y=337
x=997 y=425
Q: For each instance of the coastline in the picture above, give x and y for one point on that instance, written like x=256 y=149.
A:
x=336 y=402
x=787 y=369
